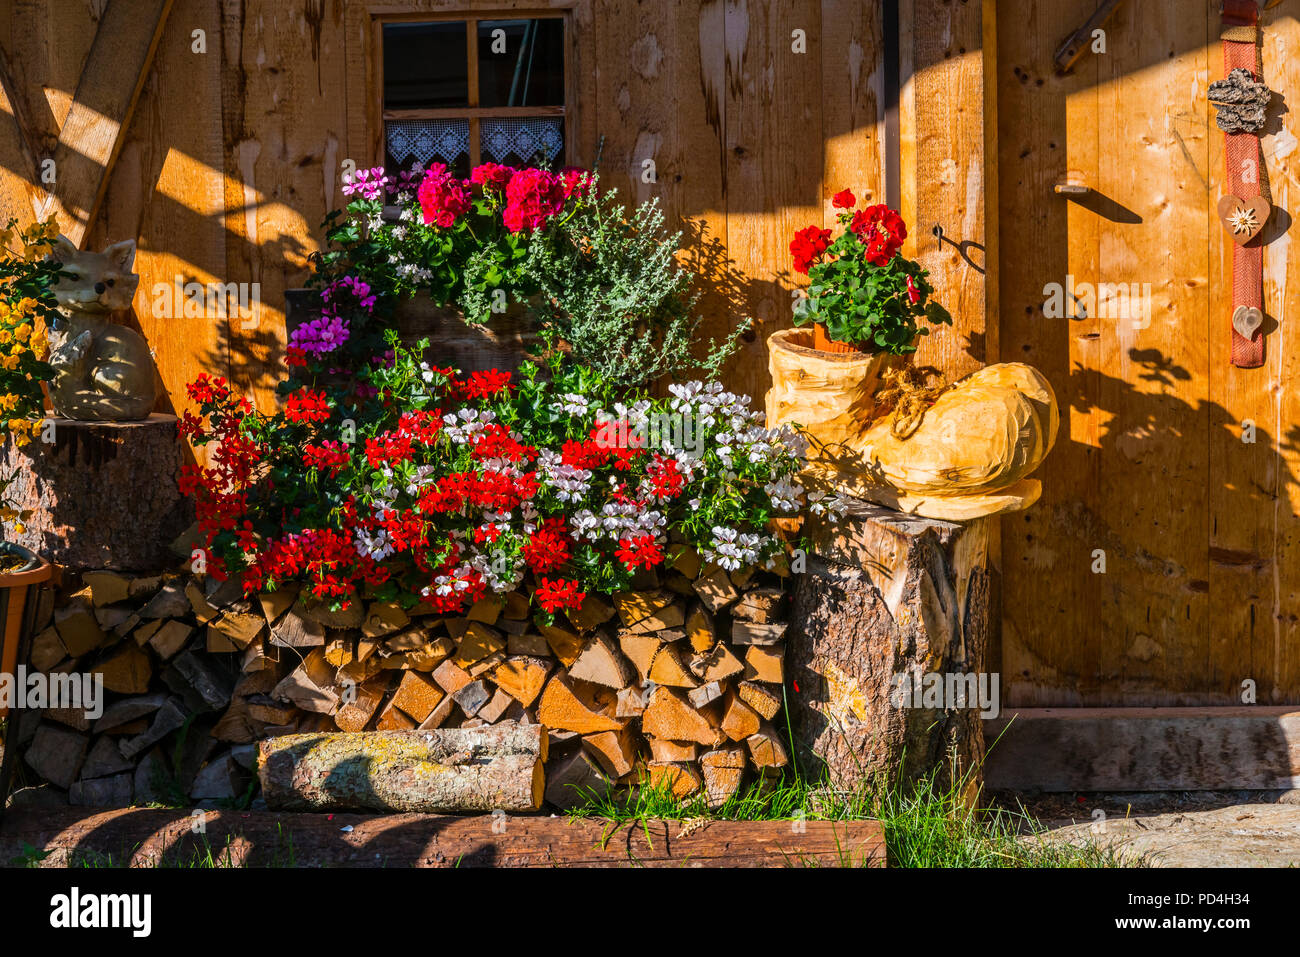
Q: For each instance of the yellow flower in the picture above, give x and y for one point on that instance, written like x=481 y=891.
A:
x=23 y=332
x=9 y=363
x=5 y=336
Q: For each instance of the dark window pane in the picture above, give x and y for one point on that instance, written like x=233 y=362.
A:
x=412 y=143
x=525 y=141
x=426 y=65
x=523 y=65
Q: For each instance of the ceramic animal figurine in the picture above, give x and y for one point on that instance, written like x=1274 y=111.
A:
x=102 y=370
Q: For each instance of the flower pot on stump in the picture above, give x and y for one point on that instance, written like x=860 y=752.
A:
x=22 y=573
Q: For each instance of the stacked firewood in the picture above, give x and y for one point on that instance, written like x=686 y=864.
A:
x=677 y=682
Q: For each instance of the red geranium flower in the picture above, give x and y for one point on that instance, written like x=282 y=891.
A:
x=844 y=199
x=491 y=176
x=328 y=456
x=443 y=198
x=882 y=231
x=484 y=385
x=532 y=197
x=307 y=406
x=557 y=594
x=666 y=479
x=575 y=181
x=642 y=550
x=808 y=245
x=548 y=548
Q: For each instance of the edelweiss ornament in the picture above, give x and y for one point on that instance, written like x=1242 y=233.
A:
x=1244 y=218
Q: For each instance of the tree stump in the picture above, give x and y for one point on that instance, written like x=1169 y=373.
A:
x=101 y=494
x=498 y=767
x=889 y=598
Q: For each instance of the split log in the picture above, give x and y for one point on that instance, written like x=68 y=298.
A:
x=887 y=597
x=452 y=769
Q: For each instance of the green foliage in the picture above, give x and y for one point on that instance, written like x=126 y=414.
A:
x=612 y=290
x=27 y=310
x=863 y=290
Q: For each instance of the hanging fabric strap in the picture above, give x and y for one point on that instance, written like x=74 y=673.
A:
x=1245 y=181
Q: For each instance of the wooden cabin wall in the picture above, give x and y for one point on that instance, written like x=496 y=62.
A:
x=232 y=157
x=1199 y=529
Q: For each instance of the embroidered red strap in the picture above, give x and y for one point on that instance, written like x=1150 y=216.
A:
x=1243 y=161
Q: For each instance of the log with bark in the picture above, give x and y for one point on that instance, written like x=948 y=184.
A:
x=101 y=494
x=450 y=769
x=157 y=837
x=888 y=598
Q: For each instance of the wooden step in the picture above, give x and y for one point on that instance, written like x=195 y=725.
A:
x=1144 y=749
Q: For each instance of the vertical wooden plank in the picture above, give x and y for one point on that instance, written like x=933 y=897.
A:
x=1153 y=606
x=1254 y=539
x=660 y=99
x=853 y=108
x=774 y=162
x=26 y=42
x=94 y=130
x=947 y=75
x=165 y=191
x=1051 y=640
x=284 y=112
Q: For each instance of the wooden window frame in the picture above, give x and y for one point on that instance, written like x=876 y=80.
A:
x=473 y=112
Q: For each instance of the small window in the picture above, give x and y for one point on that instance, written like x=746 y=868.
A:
x=465 y=92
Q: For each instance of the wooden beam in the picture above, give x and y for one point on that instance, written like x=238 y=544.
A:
x=18 y=162
x=101 y=111
x=259 y=838
x=1144 y=749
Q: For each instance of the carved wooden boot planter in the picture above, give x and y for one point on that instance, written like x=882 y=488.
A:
x=969 y=454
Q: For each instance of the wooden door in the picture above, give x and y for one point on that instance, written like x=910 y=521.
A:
x=1155 y=472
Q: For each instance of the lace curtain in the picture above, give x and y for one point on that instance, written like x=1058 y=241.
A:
x=525 y=139
x=422 y=141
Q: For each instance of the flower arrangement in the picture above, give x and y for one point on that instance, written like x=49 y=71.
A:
x=601 y=282
x=860 y=288
x=432 y=488
x=27 y=307
x=458 y=240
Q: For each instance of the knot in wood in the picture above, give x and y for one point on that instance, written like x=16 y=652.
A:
x=1241 y=102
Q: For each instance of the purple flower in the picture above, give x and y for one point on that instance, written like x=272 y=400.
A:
x=407 y=181
x=369 y=183
x=321 y=335
x=357 y=288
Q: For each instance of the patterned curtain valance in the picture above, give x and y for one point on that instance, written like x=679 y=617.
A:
x=523 y=138
x=419 y=142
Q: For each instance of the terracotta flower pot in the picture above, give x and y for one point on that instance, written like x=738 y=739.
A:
x=822 y=342
x=17 y=610
x=28 y=571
